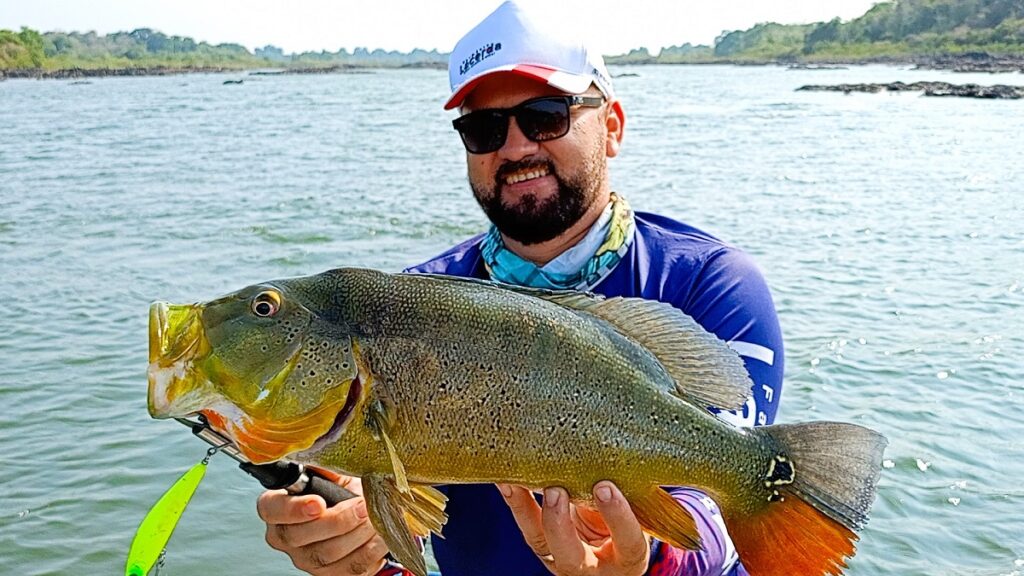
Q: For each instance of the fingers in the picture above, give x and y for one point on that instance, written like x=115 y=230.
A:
x=590 y=525
x=527 y=514
x=336 y=557
x=630 y=548
x=559 y=533
x=338 y=541
x=564 y=542
x=279 y=507
x=345 y=518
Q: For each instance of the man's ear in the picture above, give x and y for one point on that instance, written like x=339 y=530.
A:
x=615 y=122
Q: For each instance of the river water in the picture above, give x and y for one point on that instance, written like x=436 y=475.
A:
x=890 y=228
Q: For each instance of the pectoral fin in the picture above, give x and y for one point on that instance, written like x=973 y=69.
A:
x=379 y=422
x=401 y=516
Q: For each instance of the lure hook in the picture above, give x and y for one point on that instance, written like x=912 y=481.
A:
x=214 y=450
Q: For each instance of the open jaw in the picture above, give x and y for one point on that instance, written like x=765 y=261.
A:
x=180 y=385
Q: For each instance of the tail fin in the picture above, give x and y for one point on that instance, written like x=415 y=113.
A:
x=816 y=502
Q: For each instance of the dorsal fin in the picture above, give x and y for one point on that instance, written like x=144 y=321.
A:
x=705 y=370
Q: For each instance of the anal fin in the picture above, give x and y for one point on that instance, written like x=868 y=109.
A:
x=401 y=516
x=662 y=517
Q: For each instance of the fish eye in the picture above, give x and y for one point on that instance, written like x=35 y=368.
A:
x=266 y=304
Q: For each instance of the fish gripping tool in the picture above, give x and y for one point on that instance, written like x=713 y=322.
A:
x=290 y=476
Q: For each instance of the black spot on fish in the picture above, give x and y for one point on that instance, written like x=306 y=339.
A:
x=780 y=472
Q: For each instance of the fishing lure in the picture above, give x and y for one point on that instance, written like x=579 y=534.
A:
x=156 y=528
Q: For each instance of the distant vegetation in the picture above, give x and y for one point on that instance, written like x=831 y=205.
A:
x=895 y=29
x=146 y=48
x=901 y=28
x=140 y=48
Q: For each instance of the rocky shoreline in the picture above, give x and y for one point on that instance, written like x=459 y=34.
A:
x=997 y=92
x=79 y=73
x=969 y=62
x=973 y=62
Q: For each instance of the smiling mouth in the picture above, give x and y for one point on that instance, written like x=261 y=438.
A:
x=524 y=175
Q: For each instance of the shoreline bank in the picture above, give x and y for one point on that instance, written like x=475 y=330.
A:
x=80 y=73
x=975 y=62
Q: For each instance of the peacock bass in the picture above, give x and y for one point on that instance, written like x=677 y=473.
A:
x=409 y=381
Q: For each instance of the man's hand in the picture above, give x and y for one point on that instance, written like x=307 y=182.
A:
x=337 y=541
x=575 y=541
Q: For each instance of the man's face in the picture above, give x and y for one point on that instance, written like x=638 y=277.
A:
x=534 y=191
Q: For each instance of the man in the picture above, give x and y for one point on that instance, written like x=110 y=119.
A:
x=539 y=122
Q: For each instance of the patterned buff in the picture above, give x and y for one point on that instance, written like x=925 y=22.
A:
x=580 y=268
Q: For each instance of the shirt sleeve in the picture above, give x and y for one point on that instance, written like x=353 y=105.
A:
x=731 y=299
x=393 y=569
x=717 y=556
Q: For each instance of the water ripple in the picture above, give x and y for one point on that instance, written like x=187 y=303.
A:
x=887 y=228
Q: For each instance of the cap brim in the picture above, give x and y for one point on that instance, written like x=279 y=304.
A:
x=571 y=83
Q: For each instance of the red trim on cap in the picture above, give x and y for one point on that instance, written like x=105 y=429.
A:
x=530 y=71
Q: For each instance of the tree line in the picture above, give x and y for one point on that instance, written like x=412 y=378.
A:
x=896 y=28
x=144 y=47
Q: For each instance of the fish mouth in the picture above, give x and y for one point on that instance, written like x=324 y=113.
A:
x=181 y=365
x=176 y=342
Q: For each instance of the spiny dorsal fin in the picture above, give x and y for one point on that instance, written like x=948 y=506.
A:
x=705 y=370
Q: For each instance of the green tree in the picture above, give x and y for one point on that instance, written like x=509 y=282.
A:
x=33 y=43
x=822 y=34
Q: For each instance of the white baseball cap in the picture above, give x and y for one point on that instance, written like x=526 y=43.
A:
x=512 y=40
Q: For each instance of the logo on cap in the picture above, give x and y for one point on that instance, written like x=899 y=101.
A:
x=482 y=53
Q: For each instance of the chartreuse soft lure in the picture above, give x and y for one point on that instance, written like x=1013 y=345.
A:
x=156 y=528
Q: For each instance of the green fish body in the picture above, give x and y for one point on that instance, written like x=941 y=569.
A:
x=409 y=381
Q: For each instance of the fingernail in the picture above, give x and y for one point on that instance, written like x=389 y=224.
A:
x=551 y=496
x=311 y=509
x=505 y=490
x=603 y=492
x=361 y=510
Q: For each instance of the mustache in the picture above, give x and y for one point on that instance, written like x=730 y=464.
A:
x=512 y=167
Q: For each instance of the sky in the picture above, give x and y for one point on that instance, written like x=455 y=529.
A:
x=611 y=26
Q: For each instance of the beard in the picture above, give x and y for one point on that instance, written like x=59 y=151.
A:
x=532 y=221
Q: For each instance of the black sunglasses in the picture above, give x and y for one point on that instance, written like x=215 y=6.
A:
x=540 y=119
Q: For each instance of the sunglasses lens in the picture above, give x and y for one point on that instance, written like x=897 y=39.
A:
x=483 y=131
x=541 y=119
x=544 y=119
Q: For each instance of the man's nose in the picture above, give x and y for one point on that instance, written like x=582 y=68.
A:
x=517 y=145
